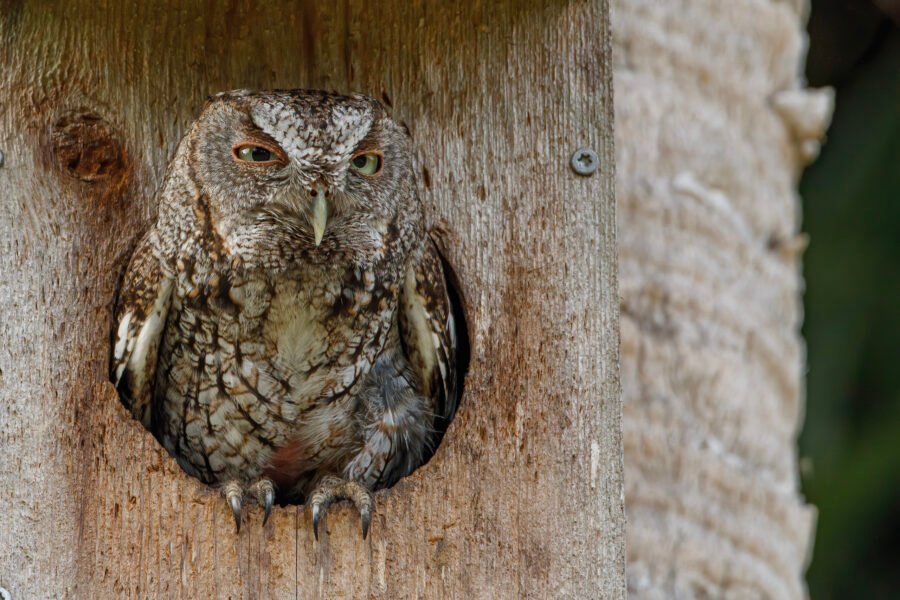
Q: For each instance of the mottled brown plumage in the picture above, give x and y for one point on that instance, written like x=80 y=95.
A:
x=284 y=328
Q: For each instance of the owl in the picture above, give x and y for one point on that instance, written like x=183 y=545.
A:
x=285 y=329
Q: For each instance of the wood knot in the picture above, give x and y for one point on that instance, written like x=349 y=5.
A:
x=87 y=147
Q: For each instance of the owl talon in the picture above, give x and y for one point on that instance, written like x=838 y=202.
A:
x=332 y=489
x=365 y=517
x=315 y=520
x=265 y=497
x=234 y=495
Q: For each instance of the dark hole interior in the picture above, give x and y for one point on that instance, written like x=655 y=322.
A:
x=462 y=351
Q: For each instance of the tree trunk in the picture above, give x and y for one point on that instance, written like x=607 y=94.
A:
x=524 y=497
x=712 y=129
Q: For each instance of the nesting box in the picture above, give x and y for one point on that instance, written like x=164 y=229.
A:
x=524 y=496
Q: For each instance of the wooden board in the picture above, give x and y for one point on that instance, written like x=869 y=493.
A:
x=523 y=499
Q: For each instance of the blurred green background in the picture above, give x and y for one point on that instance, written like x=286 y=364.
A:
x=850 y=444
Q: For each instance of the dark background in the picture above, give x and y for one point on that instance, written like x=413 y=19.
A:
x=850 y=445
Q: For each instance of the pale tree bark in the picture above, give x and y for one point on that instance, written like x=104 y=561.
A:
x=712 y=129
x=523 y=499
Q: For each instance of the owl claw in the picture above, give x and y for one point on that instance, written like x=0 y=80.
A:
x=331 y=489
x=365 y=517
x=265 y=496
x=315 y=519
x=270 y=499
x=236 y=511
x=234 y=495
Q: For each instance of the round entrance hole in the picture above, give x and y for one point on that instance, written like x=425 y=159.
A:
x=211 y=408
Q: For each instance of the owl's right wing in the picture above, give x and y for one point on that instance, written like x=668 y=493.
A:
x=140 y=319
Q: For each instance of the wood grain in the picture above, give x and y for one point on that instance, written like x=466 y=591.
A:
x=523 y=499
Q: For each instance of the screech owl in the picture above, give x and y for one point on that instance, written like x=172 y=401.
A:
x=284 y=329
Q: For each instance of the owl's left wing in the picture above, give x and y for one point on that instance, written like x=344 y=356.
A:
x=428 y=330
x=141 y=312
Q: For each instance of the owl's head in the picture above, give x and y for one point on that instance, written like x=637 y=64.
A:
x=325 y=170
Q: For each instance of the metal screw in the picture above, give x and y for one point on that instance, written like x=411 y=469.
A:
x=585 y=161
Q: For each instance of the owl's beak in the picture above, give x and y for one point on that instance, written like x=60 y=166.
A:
x=319 y=219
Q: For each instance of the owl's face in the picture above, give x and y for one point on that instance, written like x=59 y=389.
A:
x=326 y=170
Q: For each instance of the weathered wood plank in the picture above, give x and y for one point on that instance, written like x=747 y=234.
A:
x=524 y=499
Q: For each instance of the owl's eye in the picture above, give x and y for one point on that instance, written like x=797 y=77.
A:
x=252 y=153
x=367 y=163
